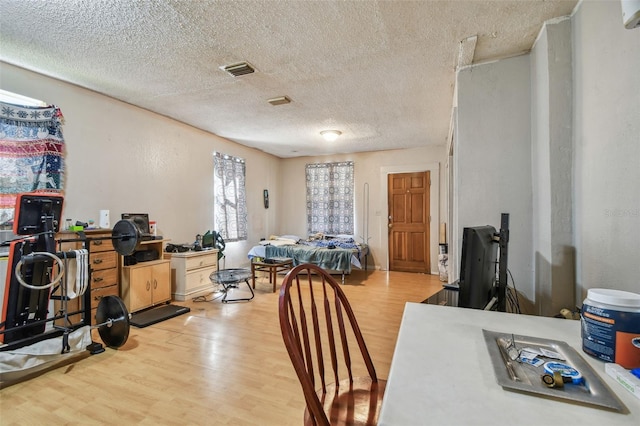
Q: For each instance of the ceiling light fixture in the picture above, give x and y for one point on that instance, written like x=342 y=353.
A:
x=330 y=135
x=280 y=100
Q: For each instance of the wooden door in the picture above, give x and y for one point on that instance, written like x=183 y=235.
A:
x=408 y=197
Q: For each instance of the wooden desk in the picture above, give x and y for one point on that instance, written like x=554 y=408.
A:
x=442 y=374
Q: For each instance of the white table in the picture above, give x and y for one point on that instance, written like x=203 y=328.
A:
x=441 y=373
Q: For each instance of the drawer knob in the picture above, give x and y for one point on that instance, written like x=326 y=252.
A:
x=97 y=261
x=97 y=242
x=97 y=279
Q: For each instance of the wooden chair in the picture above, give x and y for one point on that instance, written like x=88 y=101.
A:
x=320 y=330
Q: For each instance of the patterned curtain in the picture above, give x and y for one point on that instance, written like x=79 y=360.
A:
x=31 y=153
x=330 y=198
x=230 y=210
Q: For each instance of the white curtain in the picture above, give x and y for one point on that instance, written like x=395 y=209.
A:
x=330 y=198
x=230 y=210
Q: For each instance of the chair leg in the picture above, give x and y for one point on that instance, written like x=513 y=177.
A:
x=253 y=274
x=234 y=285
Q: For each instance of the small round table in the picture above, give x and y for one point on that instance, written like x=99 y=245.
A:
x=229 y=279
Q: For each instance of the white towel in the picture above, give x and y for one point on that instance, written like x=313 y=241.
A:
x=77 y=273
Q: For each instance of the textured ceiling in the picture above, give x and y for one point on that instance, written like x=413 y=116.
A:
x=381 y=72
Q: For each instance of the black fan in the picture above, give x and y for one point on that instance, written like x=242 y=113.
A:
x=213 y=239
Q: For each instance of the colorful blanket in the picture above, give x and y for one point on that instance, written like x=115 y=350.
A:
x=31 y=153
x=326 y=258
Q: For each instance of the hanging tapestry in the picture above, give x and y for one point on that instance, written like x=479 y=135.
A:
x=230 y=210
x=330 y=198
x=31 y=153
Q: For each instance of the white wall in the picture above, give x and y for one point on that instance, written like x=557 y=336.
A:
x=126 y=159
x=540 y=149
x=370 y=168
x=583 y=202
x=492 y=158
x=607 y=148
x=552 y=152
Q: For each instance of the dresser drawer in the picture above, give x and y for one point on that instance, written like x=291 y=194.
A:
x=104 y=278
x=101 y=245
x=98 y=293
x=198 y=278
x=103 y=260
x=209 y=259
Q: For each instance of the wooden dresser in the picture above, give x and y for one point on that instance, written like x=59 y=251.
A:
x=103 y=261
x=190 y=273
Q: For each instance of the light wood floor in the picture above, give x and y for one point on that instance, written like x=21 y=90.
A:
x=220 y=364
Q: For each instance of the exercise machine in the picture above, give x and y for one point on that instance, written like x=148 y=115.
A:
x=35 y=276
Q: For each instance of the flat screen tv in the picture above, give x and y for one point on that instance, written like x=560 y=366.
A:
x=140 y=219
x=478 y=284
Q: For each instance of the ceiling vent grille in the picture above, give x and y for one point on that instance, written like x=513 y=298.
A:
x=241 y=68
x=281 y=100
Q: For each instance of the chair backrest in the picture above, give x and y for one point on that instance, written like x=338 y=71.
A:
x=317 y=321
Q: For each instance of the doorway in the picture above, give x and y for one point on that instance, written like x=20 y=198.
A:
x=408 y=198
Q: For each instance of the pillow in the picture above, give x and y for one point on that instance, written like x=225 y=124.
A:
x=283 y=242
x=289 y=237
x=344 y=236
x=278 y=242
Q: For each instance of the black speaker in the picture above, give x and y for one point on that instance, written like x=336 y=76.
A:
x=146 y=255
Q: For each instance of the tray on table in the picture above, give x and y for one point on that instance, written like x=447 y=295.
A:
x=521 y=376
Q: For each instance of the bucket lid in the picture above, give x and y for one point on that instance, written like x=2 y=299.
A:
x=614 y=297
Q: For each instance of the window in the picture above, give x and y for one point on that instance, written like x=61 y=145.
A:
x=330 y=198
x=230 y=209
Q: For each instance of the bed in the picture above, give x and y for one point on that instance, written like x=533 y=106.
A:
x=336 y=254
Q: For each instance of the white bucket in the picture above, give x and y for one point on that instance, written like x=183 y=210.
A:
x=611 y=326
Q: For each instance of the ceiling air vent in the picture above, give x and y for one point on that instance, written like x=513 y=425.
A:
x=239 y=69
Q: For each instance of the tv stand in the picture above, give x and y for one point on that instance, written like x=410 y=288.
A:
x=446 y=296
x=146 y=284
x=502 y=262
x=491 y=304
